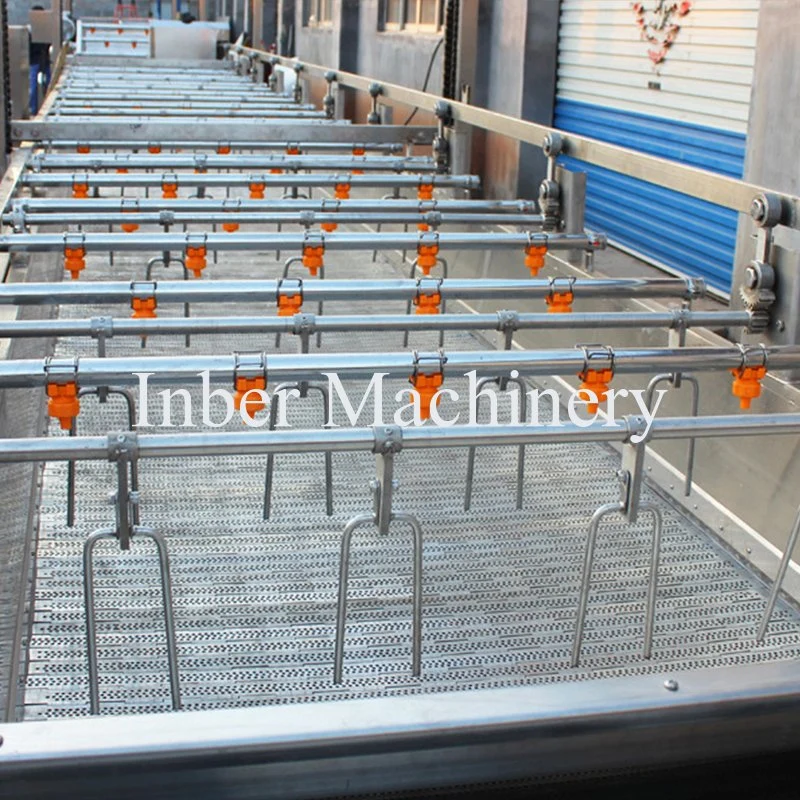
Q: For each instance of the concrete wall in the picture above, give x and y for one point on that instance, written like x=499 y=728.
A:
x=515 y=61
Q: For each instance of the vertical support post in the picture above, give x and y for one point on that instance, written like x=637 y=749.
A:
x=573 y=212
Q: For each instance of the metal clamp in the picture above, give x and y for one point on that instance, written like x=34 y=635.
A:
x=143 y=290
x=330 y=204
x=428 y=239
x=122 y=445
x=597 y=357
x=101 y=328
x=196 y=239
x=166 y=217
x=428 y=363
x=539 y=239
x=304 y=324
x=74 y=240
x=748 y=351
x=61 y=370
x=388 y=439
x=232 y=204
x=250 y=365
x=428 y=287
x=201 y=162
x=558 y=285
x=129 y=204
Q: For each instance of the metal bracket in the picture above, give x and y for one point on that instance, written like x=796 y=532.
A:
x=18 y=217
x=388 y=442
x=166 y=218
x=201 y=162
x=508 y=324
x=375 y=91
x=123 y=448
x=631 y=473
x=101 y=328
x=122 y=445
x=329 y=101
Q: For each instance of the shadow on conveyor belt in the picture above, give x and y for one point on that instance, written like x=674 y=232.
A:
x=21 y=415
x=772 y=777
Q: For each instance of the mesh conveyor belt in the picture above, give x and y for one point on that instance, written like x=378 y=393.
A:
x=255 y=601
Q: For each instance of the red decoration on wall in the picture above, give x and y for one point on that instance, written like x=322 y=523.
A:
x=658 y=27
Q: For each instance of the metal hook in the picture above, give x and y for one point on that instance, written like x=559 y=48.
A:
x=303 y=388
x=779 y=578
x=344 y=569
x=91 y=625
x=648 y=399
x=520 y=451
x=586 y=574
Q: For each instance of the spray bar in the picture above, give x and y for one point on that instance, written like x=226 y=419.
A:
x=136 y=242
x=110 y=327
x=170 y=161
x=186 y=369
x=237 y=179
x=267 y=291
x=192 y=445
x=307 y=218
x=25 y=205
x=71 y=144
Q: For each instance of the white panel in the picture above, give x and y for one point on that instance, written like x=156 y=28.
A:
x=705 y=79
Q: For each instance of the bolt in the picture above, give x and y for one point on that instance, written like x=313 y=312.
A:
x=748 y=550
x=671 y=685
x=751 y=278
x=121 y=438
x=780 y=326
x=672 y=486
x=758 y=210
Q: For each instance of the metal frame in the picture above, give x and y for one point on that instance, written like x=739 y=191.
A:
x=154 y=130
x=714 y=188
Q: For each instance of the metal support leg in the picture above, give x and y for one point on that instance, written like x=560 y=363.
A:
x=779 y=578
x=166 y=260
x=675 y=383
x=344 y=568
x=523 y=409
x=586 y=574
x=393 y=195
x=89 y=606
x=304 y=389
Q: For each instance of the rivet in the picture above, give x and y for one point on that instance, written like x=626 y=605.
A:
x=671 y=685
